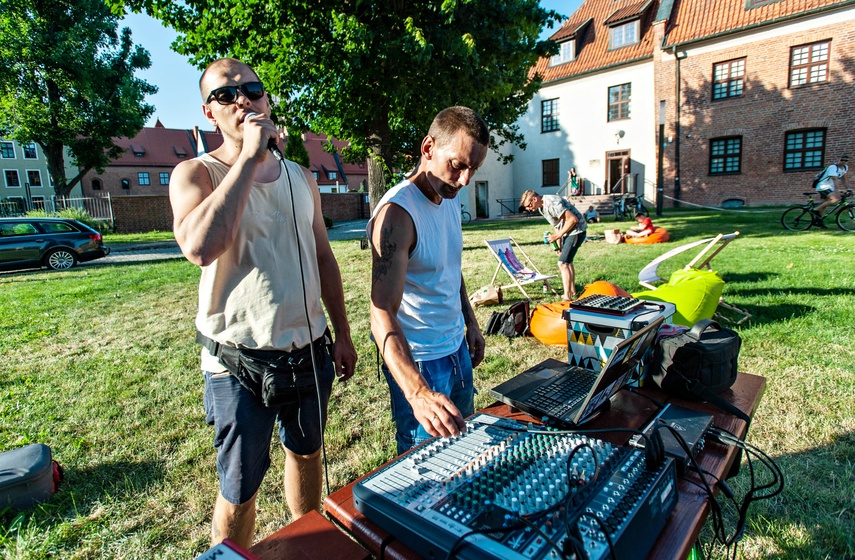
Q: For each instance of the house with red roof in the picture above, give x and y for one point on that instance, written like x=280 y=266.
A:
x=146 y=165
x=754 y=97
x=145 y=168
x=331 y=173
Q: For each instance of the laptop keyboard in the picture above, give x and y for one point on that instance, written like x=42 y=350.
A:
x=559 y=397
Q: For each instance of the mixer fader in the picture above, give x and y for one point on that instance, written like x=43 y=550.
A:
x=500 y=491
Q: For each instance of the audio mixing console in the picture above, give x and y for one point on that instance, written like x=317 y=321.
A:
x=616 y=305
x=501 y=492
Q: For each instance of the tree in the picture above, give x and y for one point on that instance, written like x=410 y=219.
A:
x=67 y=80
x=295 y=149
x=371 y=72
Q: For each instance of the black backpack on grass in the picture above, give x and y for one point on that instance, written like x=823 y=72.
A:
x=511 y=323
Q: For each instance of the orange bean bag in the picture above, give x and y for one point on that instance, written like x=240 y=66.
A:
x=548 y=325
x=547 y=322
x=603 y=288
x=659 y=235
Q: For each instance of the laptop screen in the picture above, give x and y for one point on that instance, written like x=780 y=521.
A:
x=617 y=370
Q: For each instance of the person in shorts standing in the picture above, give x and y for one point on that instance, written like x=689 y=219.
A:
x=570 y=231
x=260 y=289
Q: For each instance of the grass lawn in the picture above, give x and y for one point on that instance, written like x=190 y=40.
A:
x=102 y=366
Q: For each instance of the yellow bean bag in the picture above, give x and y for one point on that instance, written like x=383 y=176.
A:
x=694 y=292
x=659 y=235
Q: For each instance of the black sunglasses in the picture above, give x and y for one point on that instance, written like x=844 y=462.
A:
x=227 y=95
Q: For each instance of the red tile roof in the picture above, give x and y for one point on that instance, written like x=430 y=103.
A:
x=688 y=20
x=322 y=161
x=592 y=41
x=161 y=147
x=693 y=20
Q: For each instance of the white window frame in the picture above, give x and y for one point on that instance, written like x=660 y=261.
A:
x=41 y=183
x=618 y=34
x=14 y=153
x=6 y=179
x=567 y=53
x=332 y=175
x=35 y=151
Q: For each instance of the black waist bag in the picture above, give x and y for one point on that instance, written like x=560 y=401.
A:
x=276 y=378
x=697 y=363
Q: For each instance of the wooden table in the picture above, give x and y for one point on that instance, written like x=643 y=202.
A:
x=627 y=410
x=308 y=538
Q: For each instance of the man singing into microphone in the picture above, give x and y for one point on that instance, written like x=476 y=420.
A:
x=260 y=289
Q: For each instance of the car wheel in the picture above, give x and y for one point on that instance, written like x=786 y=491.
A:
x=60 y=259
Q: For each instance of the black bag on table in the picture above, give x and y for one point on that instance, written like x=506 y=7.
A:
x=697 y=364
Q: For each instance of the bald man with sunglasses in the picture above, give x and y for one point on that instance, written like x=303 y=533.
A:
x=255 y=227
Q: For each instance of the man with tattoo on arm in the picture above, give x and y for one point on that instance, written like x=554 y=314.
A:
x=421 y=319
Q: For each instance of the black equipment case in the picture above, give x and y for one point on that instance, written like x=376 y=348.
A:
x=28 y=475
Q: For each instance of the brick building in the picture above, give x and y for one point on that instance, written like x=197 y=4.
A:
x=145 y=167
x=755 y=96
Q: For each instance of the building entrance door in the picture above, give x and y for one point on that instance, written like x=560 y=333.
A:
x=617 y=168
x=482 y=199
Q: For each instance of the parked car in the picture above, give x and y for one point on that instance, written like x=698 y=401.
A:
x=55 y=243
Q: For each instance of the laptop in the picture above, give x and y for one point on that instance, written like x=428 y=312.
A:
x=572 y=395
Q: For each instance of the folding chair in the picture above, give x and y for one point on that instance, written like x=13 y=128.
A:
x=522 y=273
x=712 y=246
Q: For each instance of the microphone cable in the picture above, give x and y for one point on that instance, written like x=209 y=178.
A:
x=274 y=149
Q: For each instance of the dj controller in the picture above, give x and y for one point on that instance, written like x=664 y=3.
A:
x=503 y=490
x=616 y=305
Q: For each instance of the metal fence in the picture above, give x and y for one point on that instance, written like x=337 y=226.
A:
x=99 y=207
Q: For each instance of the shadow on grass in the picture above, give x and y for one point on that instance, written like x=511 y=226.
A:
x=83 y=492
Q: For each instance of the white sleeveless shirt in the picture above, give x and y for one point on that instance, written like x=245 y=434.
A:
x=430 y=313
x=251 y=296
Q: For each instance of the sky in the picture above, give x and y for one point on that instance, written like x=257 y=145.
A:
x=177 y=102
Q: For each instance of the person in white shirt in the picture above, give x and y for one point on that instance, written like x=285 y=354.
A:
x=834 y=173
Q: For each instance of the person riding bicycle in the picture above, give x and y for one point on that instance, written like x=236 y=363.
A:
x=643 y=229
x=826 y=186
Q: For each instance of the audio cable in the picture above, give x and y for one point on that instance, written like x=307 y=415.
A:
x=271 y=145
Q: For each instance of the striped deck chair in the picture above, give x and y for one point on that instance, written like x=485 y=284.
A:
x=521 y=272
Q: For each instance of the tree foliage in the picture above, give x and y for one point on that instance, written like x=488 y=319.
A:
x=295 y=148
x=67 y=80
x=373 y=73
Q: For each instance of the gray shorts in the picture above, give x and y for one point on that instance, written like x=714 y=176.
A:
x=242 y=428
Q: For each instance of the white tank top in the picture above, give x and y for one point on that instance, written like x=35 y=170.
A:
x=430 y=313
x=251 y=296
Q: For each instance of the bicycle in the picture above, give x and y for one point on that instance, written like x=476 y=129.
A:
x=626 y=206
x=800 y=217
x=465 y=217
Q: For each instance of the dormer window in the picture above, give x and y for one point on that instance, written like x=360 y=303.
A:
x=138 y=151
x=180 y=152
x=623 y=35
x=566 y=54
x=625 y=24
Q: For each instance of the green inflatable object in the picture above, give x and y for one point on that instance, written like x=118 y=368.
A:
x=694 y=292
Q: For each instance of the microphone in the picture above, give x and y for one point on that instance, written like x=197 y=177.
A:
x=271 y=142
x=274 y=149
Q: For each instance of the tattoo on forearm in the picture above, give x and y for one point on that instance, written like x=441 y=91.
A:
x=383 y=261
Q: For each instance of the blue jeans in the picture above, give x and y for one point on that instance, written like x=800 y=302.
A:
x=451 y=376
